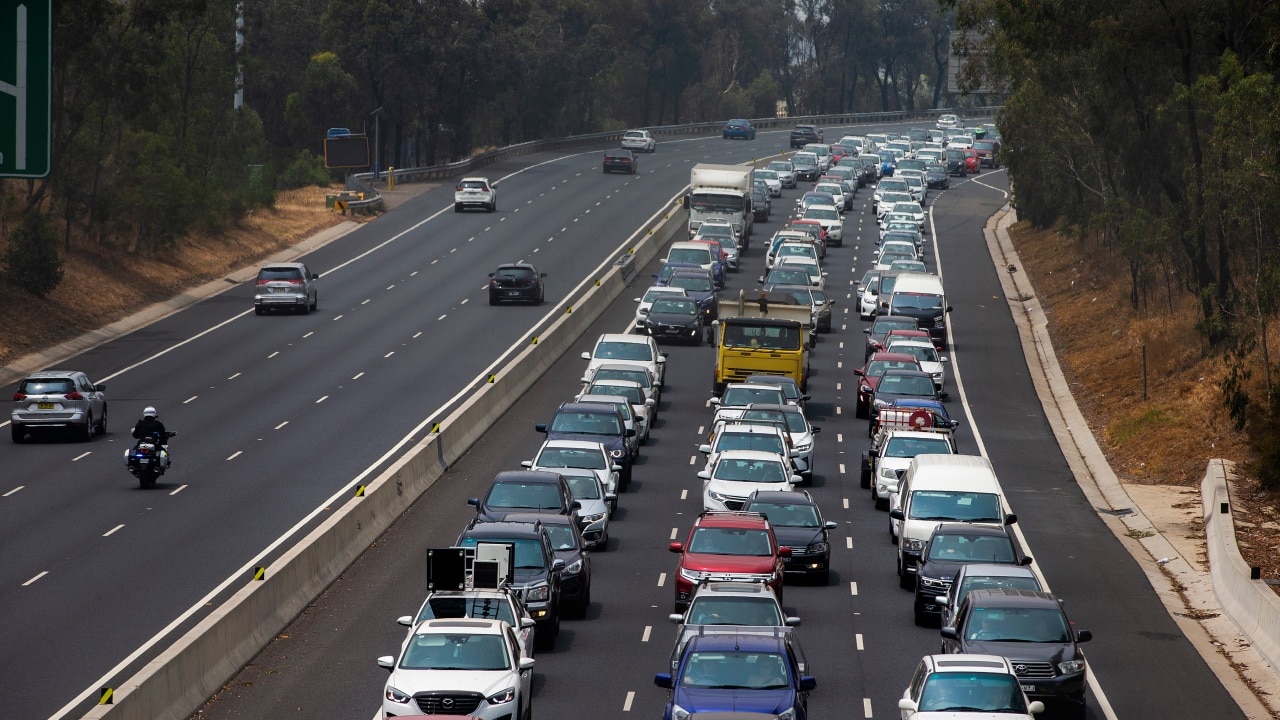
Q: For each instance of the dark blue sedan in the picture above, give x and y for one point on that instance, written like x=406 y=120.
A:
x=739 y=128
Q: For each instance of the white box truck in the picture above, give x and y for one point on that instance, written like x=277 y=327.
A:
x=721 y=191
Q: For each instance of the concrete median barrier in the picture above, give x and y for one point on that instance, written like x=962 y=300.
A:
x=180 y=679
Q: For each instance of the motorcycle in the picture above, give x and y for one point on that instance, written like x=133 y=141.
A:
x=149 y=458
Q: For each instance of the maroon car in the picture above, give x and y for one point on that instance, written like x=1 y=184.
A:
x=871 y=373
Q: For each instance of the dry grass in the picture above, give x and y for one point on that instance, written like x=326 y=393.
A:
x=97 y=290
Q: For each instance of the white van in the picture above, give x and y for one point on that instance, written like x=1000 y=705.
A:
x=920 y=295
x=692 y=252
x=937 y=489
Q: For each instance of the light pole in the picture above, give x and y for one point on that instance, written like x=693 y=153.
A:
x=377 y=149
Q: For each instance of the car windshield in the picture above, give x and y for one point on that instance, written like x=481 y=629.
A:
x=624 y=351
x=633 y=394
x=730 y=541
x=738 y=396
x=909 y=447
x=735 y=670
x=583 y=487
x=528 y=550
x=587 y=423
x=878 y=367
x=694 y=256
x=955 y=506
x=691 y=282
x=529 y=496
x=674 y=307
x=787 y=276
x=750 y=441
x=780 y=166
x=563 y=537
x=755 y=611
x=455 y=606
x=640 y=376
x=563 y=457
x=946 y=692
x=897 y=384
x=921 y=352
x=654 y=293
x=966 y=548
x=787 y=514
x=882 y=326
x=917 y=301
x=432 y=651
x=754 y=336
x=712 y=203
x=908 y=208
x=886 y=286
x=819 y=213
x=796 y=251
x=755 y=471
x=1046 y=625
x=907 y=265
x=896 y=197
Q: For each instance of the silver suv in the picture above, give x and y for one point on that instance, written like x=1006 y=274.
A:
x=61 y=399
x=288 y=286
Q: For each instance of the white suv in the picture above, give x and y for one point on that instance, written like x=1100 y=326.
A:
x=475 y=192
x=639 y=140
x=978 y=686
x=465 y=666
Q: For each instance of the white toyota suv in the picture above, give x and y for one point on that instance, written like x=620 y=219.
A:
x=475 y=192
x=466 y=666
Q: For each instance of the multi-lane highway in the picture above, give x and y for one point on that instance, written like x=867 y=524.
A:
x=279 y=415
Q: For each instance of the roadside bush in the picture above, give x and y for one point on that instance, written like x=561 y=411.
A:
x=31 y=260
x=306 y=169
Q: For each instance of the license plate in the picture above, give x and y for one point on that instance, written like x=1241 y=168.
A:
x=45 y=406
x=1028 y=688
x=143 y=461
x=513 y=293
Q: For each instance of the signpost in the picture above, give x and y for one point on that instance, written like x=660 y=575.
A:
x=26 y=60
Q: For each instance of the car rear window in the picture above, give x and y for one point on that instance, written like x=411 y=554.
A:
x=515 y=273
x=54 y=386
x=472 y=184
x=279 y=273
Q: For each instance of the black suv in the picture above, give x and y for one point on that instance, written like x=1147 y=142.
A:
x=1030 y=628
x=537 y=572
x=797 y=524
x=568 y=545
x=802 y=135
x=952 y=546
x=525 y=491
x=516 y=281
x=596 y=422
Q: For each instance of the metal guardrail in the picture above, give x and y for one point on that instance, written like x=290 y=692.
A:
x=364 y=182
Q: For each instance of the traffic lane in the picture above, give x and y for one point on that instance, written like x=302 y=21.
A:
x=1105 y=589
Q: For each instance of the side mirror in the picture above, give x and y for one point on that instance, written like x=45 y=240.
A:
x=704 y=449
x=405 y=620
x=859 y=372
x=631 y=432
x=586 y=356
x=791 y=621
x=715 y=401
x=540 y=427
x=527 y=663
x=830 y=525
x=662 y=680
x=950 y=632
x=1010 y=519
x=575 y=505
x=526 y=463
x=615 y=467
x=815 y=430
x=473 y=502
x=944 y=358
x=526 y=623
x=1035 y=707
x=1084 y=636
x=558 y=565
x=638 y=299
x=1025 y=560
x=676 y=618
x=906 y=705
x=610 y=497
x=796 y=479
x=100 y=387
x=676 y=547
x=648 y=402
x=807 y=682
x=896 y=514
x=704 y=474
x=491 y=274
x=387 y=661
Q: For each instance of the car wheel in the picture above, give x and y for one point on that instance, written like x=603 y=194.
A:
x=579 y=609
x=922 y=619
x=906 y=580
x=258 y=311
x=823 y=577
x=864 y=479
x=492 y=300
x=19 y=434
x=457 y=207
x=860 y=411
x=315 y=302
x=87 y=435
x=882 y=504
x=102 y=424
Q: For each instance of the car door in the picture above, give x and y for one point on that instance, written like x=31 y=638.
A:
x=95 y=397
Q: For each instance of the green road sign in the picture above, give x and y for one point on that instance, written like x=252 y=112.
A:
x=26 y=58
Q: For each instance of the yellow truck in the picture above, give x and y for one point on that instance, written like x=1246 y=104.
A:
x=765 y=334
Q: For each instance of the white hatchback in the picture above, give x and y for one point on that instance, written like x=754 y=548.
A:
x=639 y=140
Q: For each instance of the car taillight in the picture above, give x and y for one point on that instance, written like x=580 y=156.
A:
x=19 y=397
x=458 y=189
x=74 y=396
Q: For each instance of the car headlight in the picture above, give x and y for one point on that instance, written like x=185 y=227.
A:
x=804 y=447
x=574 y=568
x=716 y=496
x=788 y=714
x=865 y=389
x=505 y=696
x=932 y=582
x=538 y=593
x=594 y=517
x=816 y=548
x=878 y=404
x=396 y=696
x=888 y=473
x=616 y=453
x=912 y=544
x=679 y=713
x=1071 y=666
x=690 y=575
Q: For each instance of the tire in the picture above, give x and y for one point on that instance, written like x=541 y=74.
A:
x=315 y=303
x=864 y=478
x=906 y=580
x=18 y=434
x=922 y=619
x=493 y=300
x=258 y=311
x=579 y=608
x=493 y=206
x=102 y=424
x=87 y=435
x=822 y=578
x=882 y=504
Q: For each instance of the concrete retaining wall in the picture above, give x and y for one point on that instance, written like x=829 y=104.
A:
x=178 y=681
x=1251 y=604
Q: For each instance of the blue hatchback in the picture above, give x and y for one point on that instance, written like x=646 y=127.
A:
x=739 y=128
x=744 y=671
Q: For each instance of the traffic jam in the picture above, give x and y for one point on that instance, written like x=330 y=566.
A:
x=523 y=562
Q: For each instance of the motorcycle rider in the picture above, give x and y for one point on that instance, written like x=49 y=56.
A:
x=149 y=425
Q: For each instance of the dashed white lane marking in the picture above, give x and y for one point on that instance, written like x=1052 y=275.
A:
x=454 y=250
x=391 y=286
x=366 y=302
x=286 y=422
x=112 y=531
x=415 y=272
x=839 y=437
x=857 y=640
x=417 y=334
x=866 y=707
x=433 y=262
x=82 y=456
x=839 y=364
x=841 y=344
x=190 y=399
x=848 y=542
x=846 y=503
x=233 y=377
x=674 y=532
x=841 y=468
x=839 y=386
x=13 y=491
x=339 y=317
x=357 y=376
x=177 y=490
x=393 y=352
x=235 y=455
x=853 y=588
x=837 y=409
x=693 y=460
x=442 y=317
x=42 y=574
x=662 y=579
x=313 y=332
x=626 y=705
x=702 y=429
x=465 y=301
x=645 y=637
x=273 y=354
x=684 y=494
x=322 y=399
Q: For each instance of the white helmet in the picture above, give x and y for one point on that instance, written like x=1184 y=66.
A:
x=148 y=411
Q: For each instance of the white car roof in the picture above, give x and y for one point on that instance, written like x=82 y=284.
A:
x=478 y=626
x=574 y=444
x=750 y=455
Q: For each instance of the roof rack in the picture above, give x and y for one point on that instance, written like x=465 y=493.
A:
x=732 y=513
x=487 y=566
